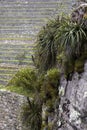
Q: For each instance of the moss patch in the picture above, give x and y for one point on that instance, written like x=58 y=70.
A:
x=79 y=63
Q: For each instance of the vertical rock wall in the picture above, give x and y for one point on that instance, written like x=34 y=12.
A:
x=74 y=103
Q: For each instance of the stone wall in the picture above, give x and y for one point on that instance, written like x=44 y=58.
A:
x=10 y=107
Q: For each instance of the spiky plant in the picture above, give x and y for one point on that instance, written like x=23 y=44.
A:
x=22 y=82
x=27 y=83
x=46 y=48
x=31 y=115
x=71 y=37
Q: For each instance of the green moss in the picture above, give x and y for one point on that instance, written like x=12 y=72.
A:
x=79 y=63
x=19 y=90
x=53 y=76
x=79 y=66
x=68 y=66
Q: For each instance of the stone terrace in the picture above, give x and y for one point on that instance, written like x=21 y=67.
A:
x=20 y=21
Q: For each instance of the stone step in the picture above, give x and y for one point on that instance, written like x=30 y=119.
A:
x=12 y=52
x=16 y=46
x=27 y=21
x=30 y=5
x=27 y=43
x=3 y=82
x=27 y=10
x=6 y=75
x=6 y=26
x=21 y=23
x=10 y=48
x=22 y=31
x=3 y=72
x=16 y=62
x=15 y=57
x=27 y=1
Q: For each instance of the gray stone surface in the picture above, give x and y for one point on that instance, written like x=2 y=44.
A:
x=10 y=108
x=79 y=14
x=72 y=112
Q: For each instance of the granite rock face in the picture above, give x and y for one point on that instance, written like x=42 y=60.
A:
x=74 y=103
x=79 y=15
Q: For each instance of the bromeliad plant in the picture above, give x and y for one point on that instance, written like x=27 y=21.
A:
x=60 y=35
x=71 y=36
x=32 y=115
x=46 y=48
